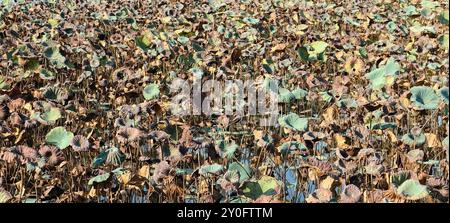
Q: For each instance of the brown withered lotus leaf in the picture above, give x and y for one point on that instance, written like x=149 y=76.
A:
x=120 y=122
x=267 y=199
x=19 y=154
x=374 y=196
x=320 y=195
x=323 y=166
x=52 y=192
x=121 y=75
x=415 y=131
x=128 y=134
x=4 y=98
x=4 y=112
x=373 y=168
x=186 y=136
x=159 y=135
x=354 y=65
x=52 y=155
x=5 y=196
x=375 y=158
x=29 y=154
x=313 y=136
x=30 y=123
x=436 y=182
x=161 y=171
x=79 y=143
x=11 y=155
x=415 y=155
x=363 y=153
x=350 y=194
x=16 y=104
x=16 y=119
x=343 y=154
x=130 y=109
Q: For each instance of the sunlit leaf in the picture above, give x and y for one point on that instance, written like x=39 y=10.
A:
x=59 y=137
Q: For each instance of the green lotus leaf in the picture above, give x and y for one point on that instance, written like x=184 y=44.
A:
x=183 y=40
x=144 y=41
x=291 y=146
x=213 y=168
x=412 y=190
x=119 y=171
x=429 y=4
x=319 y=47
x=419 y=29
x=31 y=65
x=99 y=179
x=251 y=20
x=384 y=125
x=326 y=96
x=55 y=57
x=391 y=67
x=285 y=96
x=443 y=17
x=398 y=178
x=4 y=84
x=265 y=186
x=429 y=162
x=384 y=75
x=56 y=94
x=347 y=103
x=391 y=26
x=443 y=41
x=293 y=121
x=114 y=156
x=243 y=170
x=226 y=149
x=303 y=53
x=51 y=115
x=424 y=97
x=377 y=78
x=445 y=142
x=411 y=140
x=151 y=91
x=299 y=93
x=270 y=84
x=180 y=172
x=59 y=137
x=46 y=74
x=197 y=72
x=410 y=10
x=444 y=94
x=100 y=159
